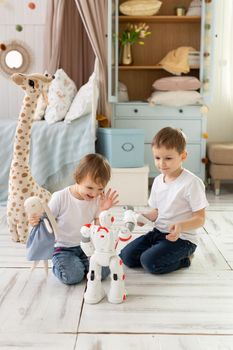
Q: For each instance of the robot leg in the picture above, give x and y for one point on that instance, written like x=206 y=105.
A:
x=117 y=293
x=94 y=292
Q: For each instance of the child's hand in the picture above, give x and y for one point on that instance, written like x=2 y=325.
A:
x=34 y=219
x=108 y=200
x=140 y=224
x=174 y=234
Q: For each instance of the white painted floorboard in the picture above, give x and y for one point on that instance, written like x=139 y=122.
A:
x=25 y=340
x=153 y=342
x=191 y=309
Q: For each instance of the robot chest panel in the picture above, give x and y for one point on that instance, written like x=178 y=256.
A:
x=103 y=241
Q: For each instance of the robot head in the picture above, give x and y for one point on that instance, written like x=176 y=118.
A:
x=106 y=219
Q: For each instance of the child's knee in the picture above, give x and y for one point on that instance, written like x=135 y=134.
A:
x=126 y=258
x=67 y=276
x=151 y=266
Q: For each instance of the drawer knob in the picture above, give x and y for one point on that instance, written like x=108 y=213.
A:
x=135 y=110
x=205 y=160
x=127 y=147
x=180 y=110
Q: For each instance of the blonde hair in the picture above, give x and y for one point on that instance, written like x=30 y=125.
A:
x=95 y=166
x=170 y=138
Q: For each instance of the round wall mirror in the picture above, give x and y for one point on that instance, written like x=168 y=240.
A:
x=15 y=59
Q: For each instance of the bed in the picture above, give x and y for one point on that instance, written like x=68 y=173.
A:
x=55 y=151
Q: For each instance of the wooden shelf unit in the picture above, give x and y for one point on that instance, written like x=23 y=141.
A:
x=168 y=32
x=134 y=67
x=160 y=19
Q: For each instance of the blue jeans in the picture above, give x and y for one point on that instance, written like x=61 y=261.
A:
x=70 y=265
x=156 y=254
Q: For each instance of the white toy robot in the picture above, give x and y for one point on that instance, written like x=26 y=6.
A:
x=100 y=243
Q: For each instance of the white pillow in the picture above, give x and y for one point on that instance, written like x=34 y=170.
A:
x=175 y=98
x=41 y=105
x=82 y=103
x=61 y=93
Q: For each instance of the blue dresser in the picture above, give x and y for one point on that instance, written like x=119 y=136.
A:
x=189 y=119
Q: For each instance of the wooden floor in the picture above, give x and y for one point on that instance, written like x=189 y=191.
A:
x=191 y=309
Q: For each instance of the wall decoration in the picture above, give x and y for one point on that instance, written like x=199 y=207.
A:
x=2 y=47
x=15 y=58
x=32 y=5
x=19 y=28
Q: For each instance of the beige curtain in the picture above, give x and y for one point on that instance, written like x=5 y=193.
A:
x=77 y=56
x=67 y=45
x=52 y=37
x=94 y=17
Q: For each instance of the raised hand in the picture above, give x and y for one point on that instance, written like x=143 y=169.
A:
x=108 y=200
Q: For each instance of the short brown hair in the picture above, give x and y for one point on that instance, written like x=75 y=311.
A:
x=94 y=165
x=170 y=138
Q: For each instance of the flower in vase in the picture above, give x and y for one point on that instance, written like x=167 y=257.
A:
x=134 y=34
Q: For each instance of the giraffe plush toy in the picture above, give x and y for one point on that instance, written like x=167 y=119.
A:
x=21 y=183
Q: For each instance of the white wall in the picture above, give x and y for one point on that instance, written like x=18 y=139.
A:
x=14 y=12
x=220 y=117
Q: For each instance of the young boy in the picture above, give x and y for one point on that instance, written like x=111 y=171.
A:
x=178 y=200
x=74 y=207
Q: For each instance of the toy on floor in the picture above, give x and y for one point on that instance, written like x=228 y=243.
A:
x=99 y=242
x=21 y=182
x=132 y=218
x=40 y=243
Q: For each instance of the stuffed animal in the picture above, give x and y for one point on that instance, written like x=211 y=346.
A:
x=21 y=182
x=40 y=244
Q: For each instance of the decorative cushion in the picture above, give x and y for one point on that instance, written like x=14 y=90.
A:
x=140 y=8
x=61 y=93
x=177 y=83
x=82 y=103
x=194 y=8
x=175 y=98
x=41 y=106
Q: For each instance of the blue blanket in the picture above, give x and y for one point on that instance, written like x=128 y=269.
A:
x=52 y=147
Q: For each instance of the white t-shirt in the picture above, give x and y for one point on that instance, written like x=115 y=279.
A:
x=71 y=214
x=177 y=200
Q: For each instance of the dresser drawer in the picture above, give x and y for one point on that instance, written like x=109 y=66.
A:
x=191 y=128
x=140 y=110
x=192 y=163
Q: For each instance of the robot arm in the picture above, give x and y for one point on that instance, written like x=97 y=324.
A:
x=86 y=243
x=131 y=218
